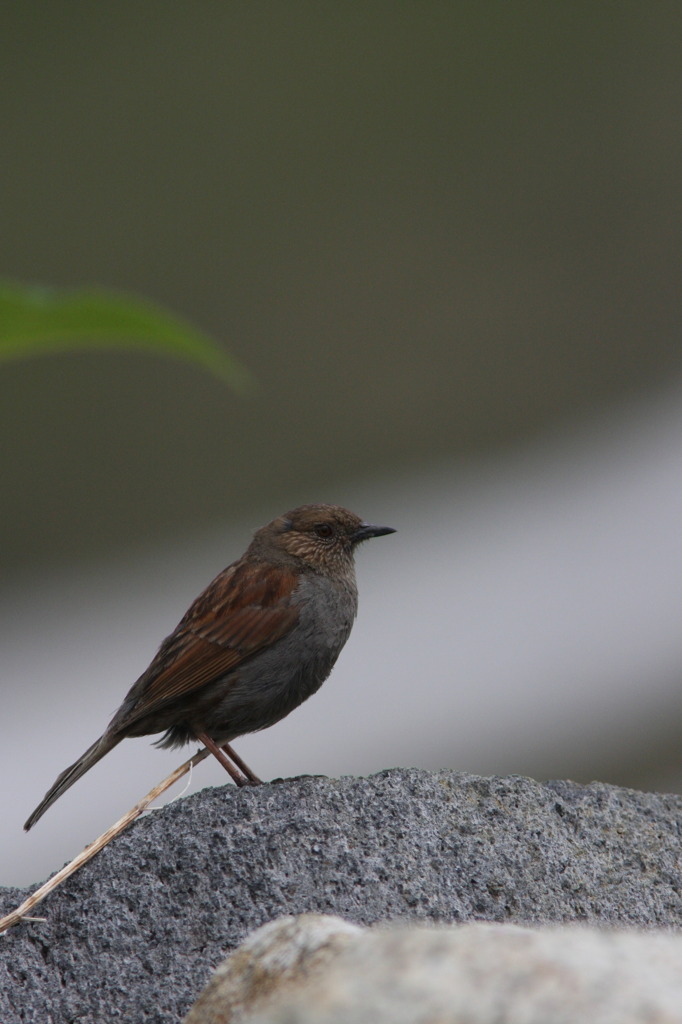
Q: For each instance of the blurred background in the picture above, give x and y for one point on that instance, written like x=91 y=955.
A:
x=445 y=238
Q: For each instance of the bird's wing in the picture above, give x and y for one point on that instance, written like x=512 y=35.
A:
x=245 y=609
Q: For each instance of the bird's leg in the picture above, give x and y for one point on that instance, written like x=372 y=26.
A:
x=234 y=773
x=234 y=756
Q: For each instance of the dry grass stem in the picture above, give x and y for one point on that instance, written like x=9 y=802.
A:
x=89 y=852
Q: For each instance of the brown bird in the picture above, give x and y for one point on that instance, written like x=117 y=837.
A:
x=260 y=640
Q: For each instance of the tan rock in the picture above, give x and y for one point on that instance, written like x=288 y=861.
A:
x=273 y=960
x=317 y=970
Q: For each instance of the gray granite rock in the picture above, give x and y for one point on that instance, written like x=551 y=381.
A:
x=133 y=936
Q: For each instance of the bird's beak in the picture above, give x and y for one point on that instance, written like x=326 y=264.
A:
x=366 y=530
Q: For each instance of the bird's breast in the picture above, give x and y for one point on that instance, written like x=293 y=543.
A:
x=267 y=687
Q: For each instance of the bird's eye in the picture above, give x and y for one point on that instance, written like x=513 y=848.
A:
x=324 y=530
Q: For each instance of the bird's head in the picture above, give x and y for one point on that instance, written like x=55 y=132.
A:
x=321 y=537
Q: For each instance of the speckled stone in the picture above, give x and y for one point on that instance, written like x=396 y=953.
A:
x=135 y=934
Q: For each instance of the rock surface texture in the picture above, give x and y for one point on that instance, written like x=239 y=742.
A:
x=314 y=970
x=272 y=967
x=135 y=934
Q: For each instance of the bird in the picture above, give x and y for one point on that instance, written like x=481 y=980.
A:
x=258 y=641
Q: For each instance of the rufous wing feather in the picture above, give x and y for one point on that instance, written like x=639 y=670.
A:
x=244 y=610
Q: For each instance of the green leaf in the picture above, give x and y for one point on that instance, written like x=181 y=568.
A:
x=40 y=321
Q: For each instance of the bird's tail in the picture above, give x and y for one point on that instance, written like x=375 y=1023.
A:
x=71 y=774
